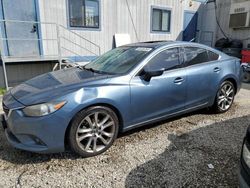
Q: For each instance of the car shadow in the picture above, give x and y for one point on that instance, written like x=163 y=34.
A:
x=205 y=111
x=16 y=156
x=205 y=157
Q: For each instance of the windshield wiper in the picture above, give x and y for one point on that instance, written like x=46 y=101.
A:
x=90 y=69
x=97 y=71
x=94 y=71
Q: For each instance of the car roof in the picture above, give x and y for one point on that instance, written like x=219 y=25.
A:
x=150 y=44
x=159 y=44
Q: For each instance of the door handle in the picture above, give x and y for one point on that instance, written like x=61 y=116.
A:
x=178 y=80
x=216 y=69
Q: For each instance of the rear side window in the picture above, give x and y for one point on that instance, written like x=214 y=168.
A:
x=168 y=59
x=195 y=56
x=212 y=56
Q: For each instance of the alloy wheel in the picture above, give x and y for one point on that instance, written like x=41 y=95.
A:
x=225 y=96
x=95 y=132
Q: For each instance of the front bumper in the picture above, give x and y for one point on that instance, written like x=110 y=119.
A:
x=41 y=135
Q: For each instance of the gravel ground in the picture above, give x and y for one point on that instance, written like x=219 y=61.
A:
x=173 y=153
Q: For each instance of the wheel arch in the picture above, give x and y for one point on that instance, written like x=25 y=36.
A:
x=112 y=107
x=228 y=78
x=233 y=81
x=232 y=78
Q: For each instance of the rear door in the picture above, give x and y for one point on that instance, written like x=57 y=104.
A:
x=203 y=75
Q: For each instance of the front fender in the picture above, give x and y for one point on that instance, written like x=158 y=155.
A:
x=116 y=96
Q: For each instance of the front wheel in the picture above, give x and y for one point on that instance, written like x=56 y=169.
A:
x=225 y=97
x=93 y=131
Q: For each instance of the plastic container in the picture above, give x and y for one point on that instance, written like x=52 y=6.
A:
x=245 y=56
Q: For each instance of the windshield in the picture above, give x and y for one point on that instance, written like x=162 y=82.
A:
x=119 y=60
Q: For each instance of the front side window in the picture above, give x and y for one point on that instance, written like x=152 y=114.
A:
x=119 y=60
x=168 y=59
x=84 y=13
x=161 y=19
x=195 y=56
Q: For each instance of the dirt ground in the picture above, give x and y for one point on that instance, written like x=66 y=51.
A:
x=173 y=153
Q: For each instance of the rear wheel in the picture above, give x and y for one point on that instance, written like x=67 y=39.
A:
x=93 y=131
x=225 y=97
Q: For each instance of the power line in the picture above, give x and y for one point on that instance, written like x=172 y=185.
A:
x=217 y=20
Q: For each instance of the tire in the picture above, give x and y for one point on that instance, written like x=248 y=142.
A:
x=235 y=52
x=246 y=77
x=236 y=44
x=224 y=97
x=93 y=131
x=222 y=43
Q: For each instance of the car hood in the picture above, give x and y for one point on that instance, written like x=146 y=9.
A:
x=49 y=86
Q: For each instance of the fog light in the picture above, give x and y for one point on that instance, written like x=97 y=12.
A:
x=38 y=141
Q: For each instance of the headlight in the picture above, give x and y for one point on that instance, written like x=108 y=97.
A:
x=246 y=155
x=43 y=109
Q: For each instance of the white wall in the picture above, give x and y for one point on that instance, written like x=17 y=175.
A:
x=223 y=16
x=208 y=26
x=115 y=18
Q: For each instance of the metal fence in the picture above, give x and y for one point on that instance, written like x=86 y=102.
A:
x=55 y=41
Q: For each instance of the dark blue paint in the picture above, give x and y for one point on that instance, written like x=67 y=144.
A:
x=190 y=25
x=138 y=102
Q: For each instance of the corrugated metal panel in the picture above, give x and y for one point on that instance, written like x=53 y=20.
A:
x=115 y=18
x=22 y=72
x=223 y=15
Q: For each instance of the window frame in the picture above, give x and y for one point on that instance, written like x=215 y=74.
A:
x=84 y=27
x=168 y=9
x=139 y=68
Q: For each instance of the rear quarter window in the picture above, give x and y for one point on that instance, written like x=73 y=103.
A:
x=194 y=55
x=213 y=56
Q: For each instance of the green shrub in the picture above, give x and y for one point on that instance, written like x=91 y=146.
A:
x=2 y=91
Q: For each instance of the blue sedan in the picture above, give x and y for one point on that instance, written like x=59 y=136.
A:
x=127 y=87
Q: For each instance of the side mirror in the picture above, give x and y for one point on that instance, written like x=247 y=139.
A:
x=147 y=75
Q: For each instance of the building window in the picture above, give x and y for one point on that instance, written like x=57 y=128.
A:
x=161 y=19
x=84 y=13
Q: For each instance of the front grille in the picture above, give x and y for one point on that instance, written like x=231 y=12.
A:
x=6 y=109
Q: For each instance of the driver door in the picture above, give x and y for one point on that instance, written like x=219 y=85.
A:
x=162 y=95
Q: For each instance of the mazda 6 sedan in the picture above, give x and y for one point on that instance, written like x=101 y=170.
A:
x=130 y=86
